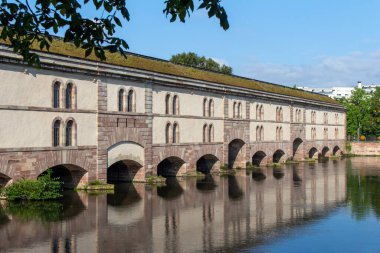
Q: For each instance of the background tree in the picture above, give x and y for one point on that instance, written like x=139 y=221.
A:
x=375 y=106
x=360 y=110
x=193 y=60
x=27 y=23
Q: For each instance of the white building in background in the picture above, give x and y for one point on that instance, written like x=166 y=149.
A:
x=341 y=92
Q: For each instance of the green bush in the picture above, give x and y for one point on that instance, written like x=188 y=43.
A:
x=45 y=187
x=96 y=182
x=224 y=167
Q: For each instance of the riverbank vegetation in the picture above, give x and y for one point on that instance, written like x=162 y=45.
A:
x=43 y=188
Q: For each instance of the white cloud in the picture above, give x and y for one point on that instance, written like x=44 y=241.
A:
x=328 y=71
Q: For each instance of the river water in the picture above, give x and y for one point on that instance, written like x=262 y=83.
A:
x=329 y=206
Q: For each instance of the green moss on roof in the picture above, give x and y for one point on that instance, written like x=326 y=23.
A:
x=165 y=67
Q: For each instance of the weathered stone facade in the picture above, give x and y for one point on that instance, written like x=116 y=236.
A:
x=162 y=125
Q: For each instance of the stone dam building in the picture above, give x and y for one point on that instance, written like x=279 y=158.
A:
x=126 y=119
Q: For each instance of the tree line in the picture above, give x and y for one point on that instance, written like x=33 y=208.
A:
x=363 y=113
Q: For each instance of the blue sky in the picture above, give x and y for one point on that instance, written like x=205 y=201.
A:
x=303 y=42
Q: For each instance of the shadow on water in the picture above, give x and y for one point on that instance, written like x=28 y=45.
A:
x=47 y=211
x=234 y=190
x=206 y=184
x=124 y=194
x=278 y=173
x=258 y=175
x=172 y=189
x=4 y=219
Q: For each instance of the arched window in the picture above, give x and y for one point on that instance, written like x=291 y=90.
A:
x=205 y=107
x=258 y=135
x=168 y=133
x=175 y=133
x=240 y=113
x=277 y=133
x=56 y=94
x=234 y=110
x=257 y=112
x=131 y=106
x=261 y=112
x=211 y=108
x=175 y=105
x=205 y=133
x=69 y=133
x=280 y=134
x=121 y=97
x=56 y=133
x=300 y=115
x=261 y=133
x=167 y=104
x=69 y=96
x=277 y=114
x=211 y=133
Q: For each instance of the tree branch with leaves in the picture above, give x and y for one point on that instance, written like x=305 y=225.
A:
x=25 y=25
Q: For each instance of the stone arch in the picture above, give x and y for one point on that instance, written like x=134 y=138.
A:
x=69 y=174
x=325 y=151
x=207 y=163
x=278 y=156
x=236 y=154
x=336 y=150
x=4 y=180
x=170 y=166
x=258 y=157
x=313 y=152
x=298 y=149
x=125 y=161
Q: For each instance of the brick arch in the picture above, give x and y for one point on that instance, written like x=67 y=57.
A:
x=237 y=133
x=123 y=135
x=207 y=163
x=7 y=168
x=313 y=152
x=71 y=157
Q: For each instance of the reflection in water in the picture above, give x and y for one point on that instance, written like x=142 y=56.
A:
x=124 y=195
x=206 y=184
x=278 y=173
x=3 y=217
x=234 y=190
x=47 y=211
x=258 y=174
x=213 y=214
x=172 y=189
x=363 y=191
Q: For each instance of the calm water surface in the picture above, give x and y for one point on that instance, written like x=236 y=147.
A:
x=331 y=206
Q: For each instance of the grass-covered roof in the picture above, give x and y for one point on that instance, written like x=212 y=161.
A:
x=165 y=67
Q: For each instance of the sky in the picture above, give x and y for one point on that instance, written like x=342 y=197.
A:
x=314 y=43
